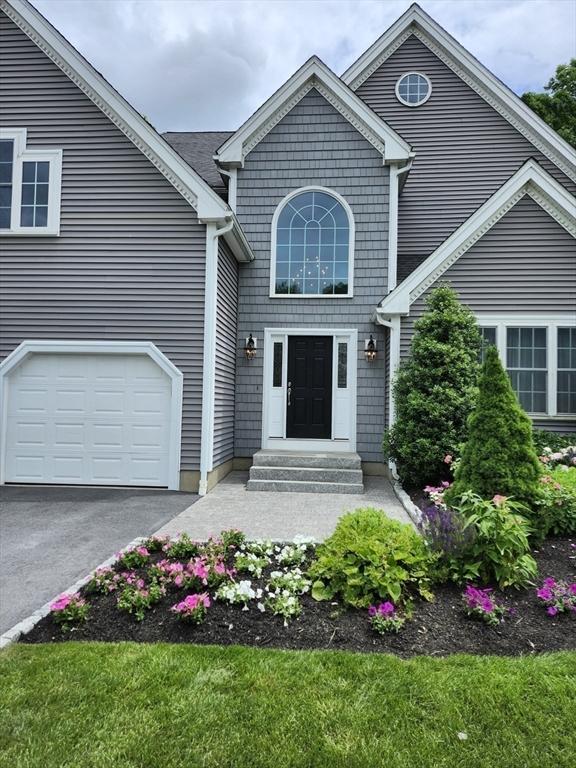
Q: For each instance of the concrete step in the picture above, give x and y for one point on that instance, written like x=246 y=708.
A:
x=299 y=486
x=269 y=458
x=306 y=474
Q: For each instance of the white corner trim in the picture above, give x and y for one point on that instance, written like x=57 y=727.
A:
x=416 y=22
x=393 y=192
x=185 y=180
x=313 y=74
x=27 y=348
x=351 y=243
x=531 y=180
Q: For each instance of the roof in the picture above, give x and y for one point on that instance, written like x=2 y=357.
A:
x=187 y=182
x=198 y=148
x=531 y=179
x=417 y=22
x=314 y=74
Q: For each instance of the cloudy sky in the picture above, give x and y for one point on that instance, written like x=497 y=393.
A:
x=208 y=64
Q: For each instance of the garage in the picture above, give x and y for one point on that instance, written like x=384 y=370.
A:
x=91 y=414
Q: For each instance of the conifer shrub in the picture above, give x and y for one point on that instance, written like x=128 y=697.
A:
x=435 y=390
x=499 y=457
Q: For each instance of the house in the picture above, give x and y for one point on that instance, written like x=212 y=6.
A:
x=176 y=306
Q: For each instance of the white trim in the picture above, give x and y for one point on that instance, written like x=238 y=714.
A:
x=393 y=192
x=107 y=348
x=313 y=74
x=416 y=22
x=351 y=242
x=413 y=103
x=531 y=179
x=328 y=445
x=22 y=155
x=209 y=206
x=551 y=322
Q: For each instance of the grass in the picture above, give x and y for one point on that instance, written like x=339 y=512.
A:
x=566 y=478
x=141 y=706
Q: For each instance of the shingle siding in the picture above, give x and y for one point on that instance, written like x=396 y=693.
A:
x=465 y=150
x=130 y=261
x=313 y=145
x=226 y=353
x=525 y=264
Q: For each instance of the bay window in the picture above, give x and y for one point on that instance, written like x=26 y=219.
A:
x=539 y=354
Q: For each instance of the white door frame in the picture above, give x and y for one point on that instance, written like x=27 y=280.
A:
x=297 y=444
x=27 y=348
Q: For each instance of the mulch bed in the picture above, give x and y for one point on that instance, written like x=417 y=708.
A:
x=437 y=629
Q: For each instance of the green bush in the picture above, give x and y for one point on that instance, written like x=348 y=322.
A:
x=553 y=440
x=434 y=390
x=499 y=456
x=555 y=511
x=370 y=557
x=500 y=548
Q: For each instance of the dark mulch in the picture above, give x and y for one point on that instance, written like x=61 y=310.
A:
x=437 y=629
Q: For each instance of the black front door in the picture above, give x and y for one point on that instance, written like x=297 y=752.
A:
x=309 y=395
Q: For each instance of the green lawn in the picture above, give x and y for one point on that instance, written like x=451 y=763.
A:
x=175 y=706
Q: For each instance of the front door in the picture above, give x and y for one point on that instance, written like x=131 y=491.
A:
x=309 y=390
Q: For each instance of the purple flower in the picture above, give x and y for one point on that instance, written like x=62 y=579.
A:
x=386 y=608
x=372 y=611
x=551 y=610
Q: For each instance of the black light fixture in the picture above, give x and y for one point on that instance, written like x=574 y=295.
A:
x=370 y=351
x=250 y=348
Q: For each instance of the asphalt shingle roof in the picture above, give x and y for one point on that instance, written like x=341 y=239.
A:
x=197 y=148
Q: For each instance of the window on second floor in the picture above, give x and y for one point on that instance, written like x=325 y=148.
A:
x=30 y=182
x=312 y=244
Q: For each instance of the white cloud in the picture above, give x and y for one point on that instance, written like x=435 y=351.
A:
x=208 y=64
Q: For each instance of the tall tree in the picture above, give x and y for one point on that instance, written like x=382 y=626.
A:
x=558 y=105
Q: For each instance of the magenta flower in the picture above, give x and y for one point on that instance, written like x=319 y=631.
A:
x=551 y=610
x=387 y=608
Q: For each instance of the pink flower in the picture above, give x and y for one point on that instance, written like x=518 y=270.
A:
x=142 y=551
x=498 y=499
x=448 y=459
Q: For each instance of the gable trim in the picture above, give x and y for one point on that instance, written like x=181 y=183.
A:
x=313 y=74
x=182 y=177
x=530 y=180
x=419 y=24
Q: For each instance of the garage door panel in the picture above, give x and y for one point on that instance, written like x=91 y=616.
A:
x=95 y=420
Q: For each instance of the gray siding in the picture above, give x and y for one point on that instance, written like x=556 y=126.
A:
x=313 y=145
x=130 y=261
x=465 y=150
x=525 y=264
x=226 y=329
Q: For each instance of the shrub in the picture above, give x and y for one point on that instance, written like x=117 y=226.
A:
x=554 y=441
x=555 y=510
x=370 y=557
x=69 y=610
x=434 y=390
x=500 y=550
x=499 y=456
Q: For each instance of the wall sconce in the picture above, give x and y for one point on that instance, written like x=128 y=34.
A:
x=370 y=351
x=250 y=347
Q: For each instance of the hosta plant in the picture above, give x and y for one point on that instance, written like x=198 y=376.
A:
x=137 y=598
x=386 y=618
x=370 y=557
x=558 y=596
x=69 y=611
x=193 y=608
x=480 y=604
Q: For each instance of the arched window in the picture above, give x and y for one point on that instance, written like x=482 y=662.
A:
x=313 y=231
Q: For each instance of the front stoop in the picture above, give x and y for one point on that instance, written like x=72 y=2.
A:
x=301 y=472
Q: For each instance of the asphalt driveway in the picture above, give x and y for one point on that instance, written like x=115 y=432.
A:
x=50 y=537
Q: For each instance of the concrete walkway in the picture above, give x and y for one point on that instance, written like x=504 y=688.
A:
x=278 y=516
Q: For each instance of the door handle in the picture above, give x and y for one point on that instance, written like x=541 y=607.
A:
x=289 y=391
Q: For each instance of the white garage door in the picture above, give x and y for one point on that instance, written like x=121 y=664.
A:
x=91 y=419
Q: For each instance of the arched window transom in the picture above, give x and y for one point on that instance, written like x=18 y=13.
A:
x=313 y=244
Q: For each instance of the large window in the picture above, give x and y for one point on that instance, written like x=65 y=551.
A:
x=312 y=239
x=29 y=186
x=540 y=357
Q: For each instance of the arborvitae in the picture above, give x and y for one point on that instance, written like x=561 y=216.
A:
x=499 y=456
x=434 y=390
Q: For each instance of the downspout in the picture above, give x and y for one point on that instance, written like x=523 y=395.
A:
x=209 y=360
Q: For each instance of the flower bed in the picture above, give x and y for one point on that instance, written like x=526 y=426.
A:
x=274 y=607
